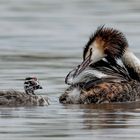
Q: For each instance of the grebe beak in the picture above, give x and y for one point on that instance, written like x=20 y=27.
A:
x=76 y=71
x=83 y=65
x=94 y=56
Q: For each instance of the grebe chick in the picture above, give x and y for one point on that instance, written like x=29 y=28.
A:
x=27 y=98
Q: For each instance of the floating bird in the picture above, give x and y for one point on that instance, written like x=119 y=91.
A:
x=99 y=78
x=27 y=98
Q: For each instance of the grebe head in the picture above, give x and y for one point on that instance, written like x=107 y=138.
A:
x=106 y=43
x=31 y=84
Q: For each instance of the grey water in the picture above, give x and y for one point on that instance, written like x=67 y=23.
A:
x=45 y=38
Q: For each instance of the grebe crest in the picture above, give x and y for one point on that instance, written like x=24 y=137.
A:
x=122 y=86
x=105 y=42
x=110 y=44
x=31 y=84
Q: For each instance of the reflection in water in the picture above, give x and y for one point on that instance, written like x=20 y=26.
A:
x=71 y=121
x=45 y=38
x=103 y=116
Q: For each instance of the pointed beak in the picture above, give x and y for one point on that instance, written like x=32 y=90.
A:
x=83 y=65
x=77 y=70
x=40 y=87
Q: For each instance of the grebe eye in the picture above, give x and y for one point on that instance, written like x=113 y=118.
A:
x=90 y=52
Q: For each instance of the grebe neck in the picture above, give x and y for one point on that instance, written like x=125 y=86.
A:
x=132 y=63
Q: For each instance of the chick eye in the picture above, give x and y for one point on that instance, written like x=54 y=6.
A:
x=31 y=82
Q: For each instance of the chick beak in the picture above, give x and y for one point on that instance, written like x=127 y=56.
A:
x=40 y=87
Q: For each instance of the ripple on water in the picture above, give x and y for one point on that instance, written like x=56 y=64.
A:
x=45 y=38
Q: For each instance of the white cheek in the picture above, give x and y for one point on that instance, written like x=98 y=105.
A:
x=96 y=55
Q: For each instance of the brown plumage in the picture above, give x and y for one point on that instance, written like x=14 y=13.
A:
x=104 y=92
x=111 y=41
x=116 y=86
x=110 y=82
x=111 y=92
x=14 y=98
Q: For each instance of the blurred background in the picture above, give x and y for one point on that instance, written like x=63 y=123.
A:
x=45 y=38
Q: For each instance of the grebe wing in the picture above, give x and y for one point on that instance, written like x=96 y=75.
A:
x=109 y=69
x=99 y=70
x=92 y=83
x=115 y=73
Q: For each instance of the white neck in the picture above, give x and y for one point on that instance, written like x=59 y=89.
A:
x=131 y=61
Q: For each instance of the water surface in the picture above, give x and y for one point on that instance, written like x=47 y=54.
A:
x=45 y=38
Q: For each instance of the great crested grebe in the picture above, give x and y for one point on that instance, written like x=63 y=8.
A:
x=99 y=81
x=27 y=98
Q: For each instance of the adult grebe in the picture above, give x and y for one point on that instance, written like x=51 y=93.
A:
x=103 y=81
x=111 y=44
x=27 y=98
